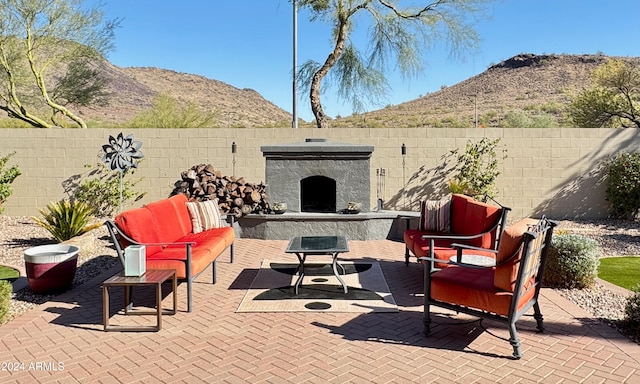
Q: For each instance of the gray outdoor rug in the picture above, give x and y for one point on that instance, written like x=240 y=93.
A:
x=272 y=289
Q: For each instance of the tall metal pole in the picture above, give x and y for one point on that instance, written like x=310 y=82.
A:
x=294 y=123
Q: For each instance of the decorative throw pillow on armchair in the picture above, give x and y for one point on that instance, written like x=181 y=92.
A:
x=436 y=215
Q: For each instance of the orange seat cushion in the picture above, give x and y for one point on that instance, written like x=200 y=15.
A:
x=413 y=240
x=224 y=236
x=474 y=288
x=173 y=257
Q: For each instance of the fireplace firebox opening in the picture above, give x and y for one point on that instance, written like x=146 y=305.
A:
x=318 y=194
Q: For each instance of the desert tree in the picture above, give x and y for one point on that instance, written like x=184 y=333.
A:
x=612 y=100
x=399 y=32
x=50 y=53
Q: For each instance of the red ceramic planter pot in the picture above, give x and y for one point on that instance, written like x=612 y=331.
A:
x=50 y=268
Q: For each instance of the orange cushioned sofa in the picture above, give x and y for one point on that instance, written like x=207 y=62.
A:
x=458 y=220
x=166 y=228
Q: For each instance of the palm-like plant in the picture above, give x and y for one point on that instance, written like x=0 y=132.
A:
x=66 y=219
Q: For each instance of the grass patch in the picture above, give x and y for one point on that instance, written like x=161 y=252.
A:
x=8 y=273
x=621 y=271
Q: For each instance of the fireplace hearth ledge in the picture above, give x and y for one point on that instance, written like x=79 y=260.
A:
x=376 y=225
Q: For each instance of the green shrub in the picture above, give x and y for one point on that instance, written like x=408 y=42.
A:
x=7 y=176
x=632 y=313
x=476 y=169
x=5 y=299
x=167 y=112
x=573 y=262
x=100 y=189
x=66 y=219
x=623 y=185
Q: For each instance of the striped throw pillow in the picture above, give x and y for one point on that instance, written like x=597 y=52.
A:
x=204 y=215
x=436 y=215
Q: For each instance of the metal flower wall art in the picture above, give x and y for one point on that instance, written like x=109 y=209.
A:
x=121 y=154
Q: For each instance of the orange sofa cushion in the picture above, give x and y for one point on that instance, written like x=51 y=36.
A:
x=226 y=235
x=169 y=219
x=173 y=257
x=137 y=223
x=179 y=202
x=474 y=288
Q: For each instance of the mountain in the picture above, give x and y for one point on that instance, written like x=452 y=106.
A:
x=527 y=84
x=535 y=85
x=133 y=90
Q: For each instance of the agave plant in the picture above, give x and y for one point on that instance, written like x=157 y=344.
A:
x=66 y=219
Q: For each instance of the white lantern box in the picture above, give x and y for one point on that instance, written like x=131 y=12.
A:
x=135 y=261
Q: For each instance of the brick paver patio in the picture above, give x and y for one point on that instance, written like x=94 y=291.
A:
x=62 y=340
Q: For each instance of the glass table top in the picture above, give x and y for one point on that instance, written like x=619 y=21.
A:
x=310 y=244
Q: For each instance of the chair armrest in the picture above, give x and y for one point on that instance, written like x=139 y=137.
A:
x=453 y=236
x=440 y=261
x=464 y=247
x=167 y=244
x=461 y=247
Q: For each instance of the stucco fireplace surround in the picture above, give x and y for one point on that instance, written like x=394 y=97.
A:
x=317 y=175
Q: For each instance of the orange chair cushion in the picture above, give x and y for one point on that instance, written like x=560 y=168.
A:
x=446 y=253
x=474 y=288
x=479 y=218
x=506 y=274
x=413 y=240
x=459 y=212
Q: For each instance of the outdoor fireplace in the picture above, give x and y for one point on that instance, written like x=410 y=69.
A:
x=318 y=175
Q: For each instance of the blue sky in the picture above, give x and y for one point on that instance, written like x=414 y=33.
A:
x=248 y=44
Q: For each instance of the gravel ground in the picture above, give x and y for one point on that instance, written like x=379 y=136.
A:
x=20 y=233
x=616 y=238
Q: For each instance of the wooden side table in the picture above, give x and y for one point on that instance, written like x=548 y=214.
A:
x=153 y=277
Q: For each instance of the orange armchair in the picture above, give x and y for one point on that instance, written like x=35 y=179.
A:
x=461 y=220
x=504 y=292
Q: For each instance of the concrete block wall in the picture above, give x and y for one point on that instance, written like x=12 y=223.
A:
x=557 y=172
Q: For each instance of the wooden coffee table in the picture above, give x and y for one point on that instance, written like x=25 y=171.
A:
x=154 y=278
x=304 y=246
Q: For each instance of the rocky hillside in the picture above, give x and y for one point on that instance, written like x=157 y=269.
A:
x=134 y=89
x=533 y=84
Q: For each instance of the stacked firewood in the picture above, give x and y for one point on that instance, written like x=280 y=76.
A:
x=235 y=196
